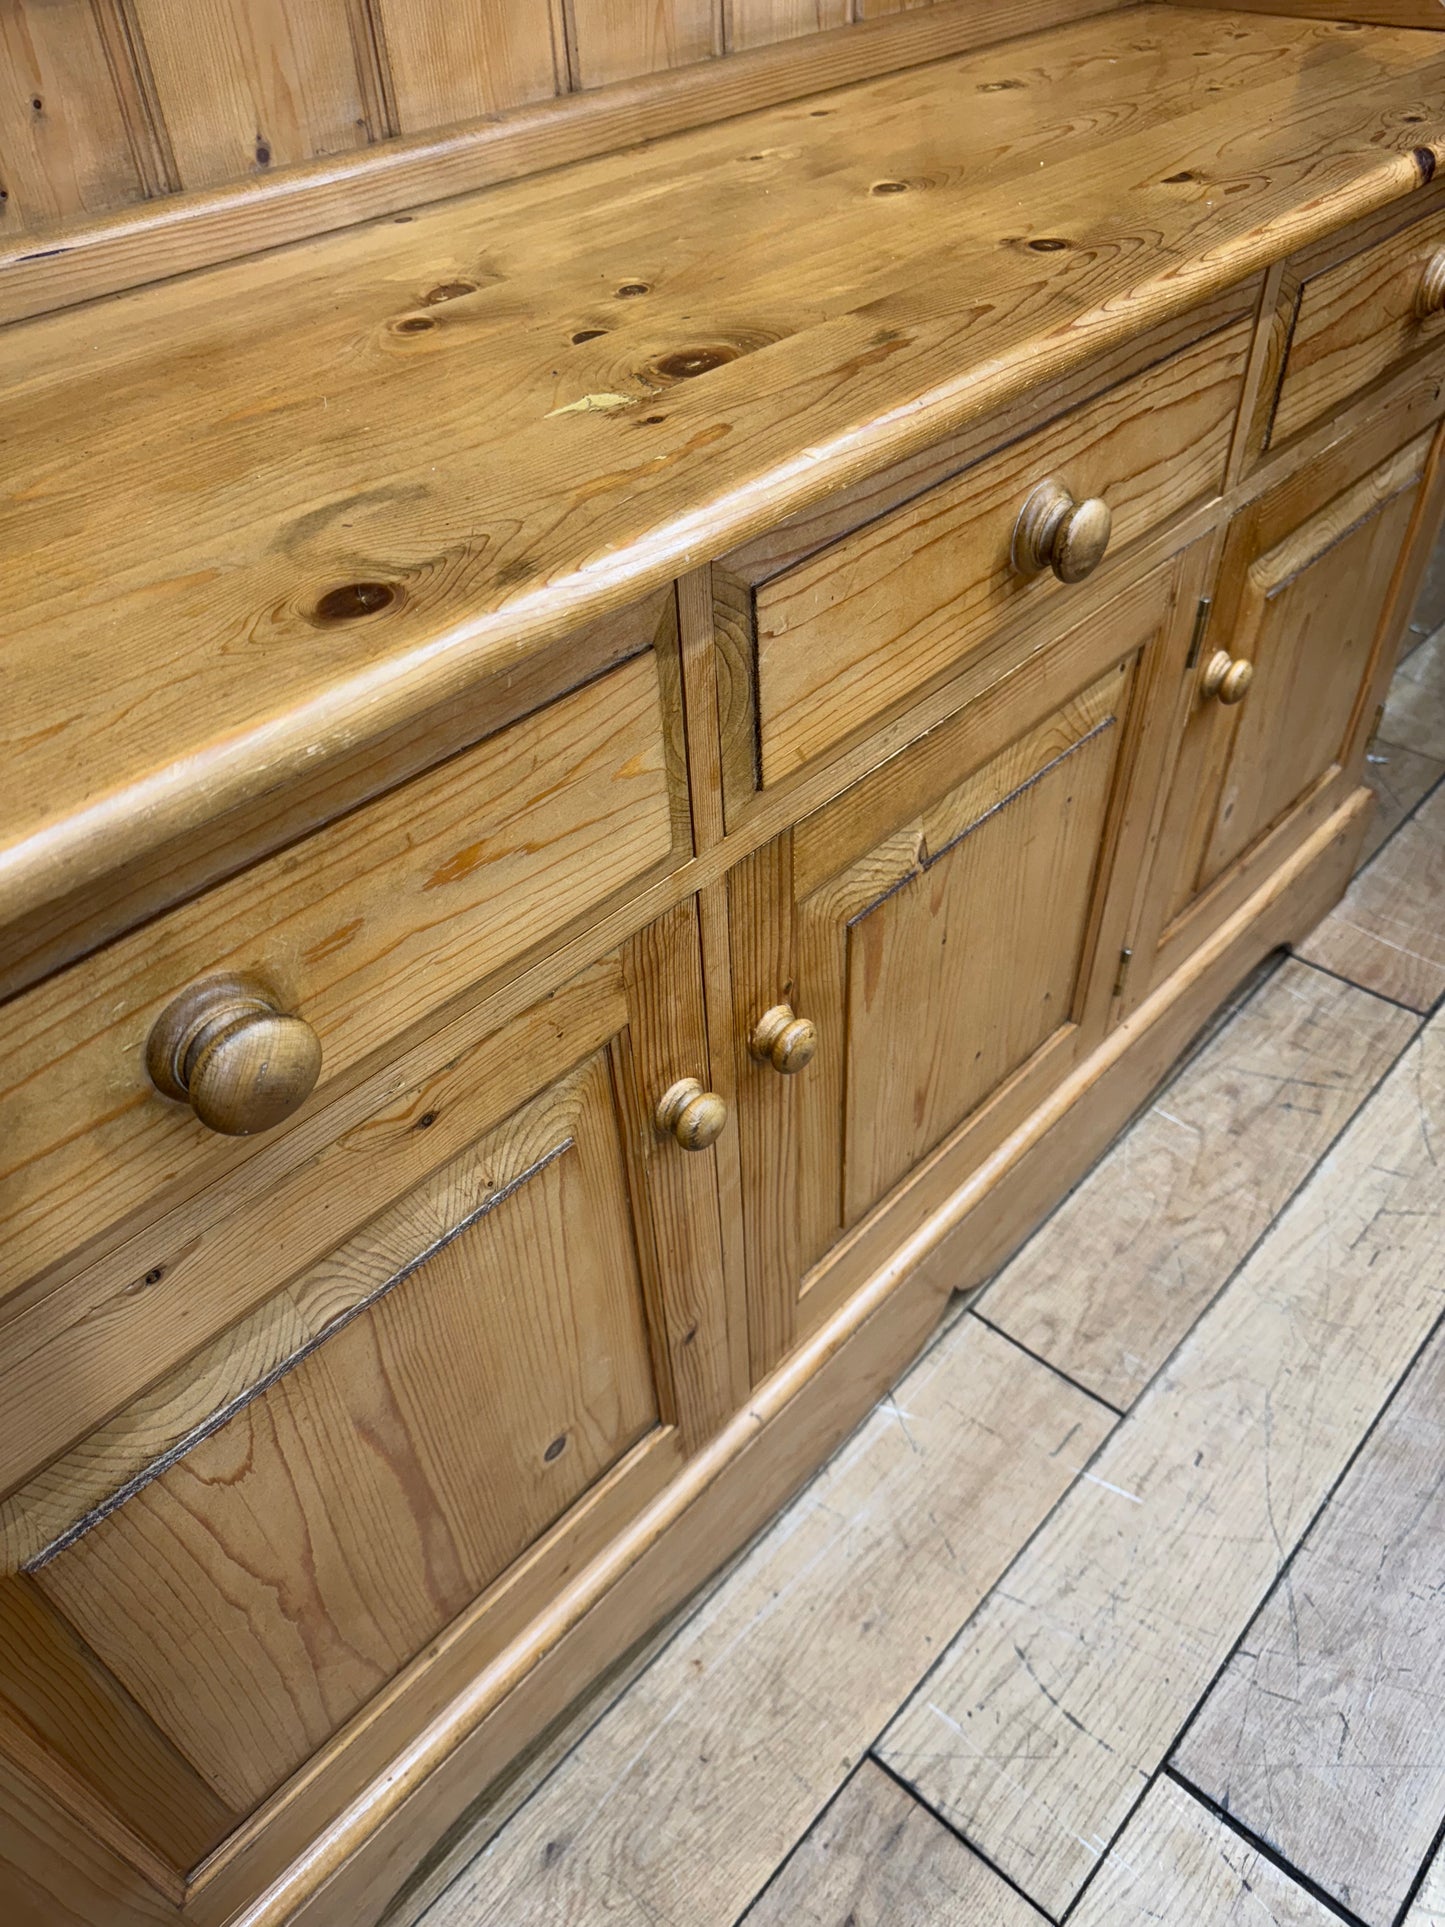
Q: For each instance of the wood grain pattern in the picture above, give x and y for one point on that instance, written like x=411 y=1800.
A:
x=755 y=23
x=117 y=1764
x=729 y=438
x=291 y=1562
x=922 y=1044
x=989 y=927
x=1176 y=1862
x=105 y=255
x=1318 y=1736
x=450 y=60
x=1312 y=565
x=1373 y=13
x=1124 y=1267
x=1388 y=932
x=1038 y=1731
x=616 y=39
x=361 y=930
x=56 y=1872
x=82 y=1350
x=1357 y=320
x=66 y=146
x=875 y=1858
x=246 y=85
x=872 y=620
x=678 y=1804
x=314 y=1864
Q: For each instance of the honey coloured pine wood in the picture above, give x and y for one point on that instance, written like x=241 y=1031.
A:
x=609 y=787
x=355 y=932
x=873 y=323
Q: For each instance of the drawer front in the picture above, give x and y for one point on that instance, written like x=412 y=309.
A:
x=868 y=623
x=361 y=929
x=1360 y=319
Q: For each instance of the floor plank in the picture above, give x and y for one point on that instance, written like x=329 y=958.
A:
x=1323 y=1736
x=1415 y=709
x=1114 y=1279
x=1388 y=931
x=1428 y=1907
x=877 y=1858
x=1401 y=779
x=1039 y=1729
x=678 y=1805
x=1177 y=1862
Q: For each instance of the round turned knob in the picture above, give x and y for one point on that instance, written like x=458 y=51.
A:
x=1431 y=300
x=226 y=1048
x=1056 y=532
x=1227 y=678
x=695 y=1117
x=780 y=1038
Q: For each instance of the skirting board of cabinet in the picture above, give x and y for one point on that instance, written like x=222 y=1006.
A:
x=793 y=1421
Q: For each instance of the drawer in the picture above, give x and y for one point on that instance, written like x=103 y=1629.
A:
x=1357 y=319
x=859 y=628
x=361 y=929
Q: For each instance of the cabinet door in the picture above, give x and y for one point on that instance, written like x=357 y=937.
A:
x=298 y=1546
x=1306 y=593
x=951 y=926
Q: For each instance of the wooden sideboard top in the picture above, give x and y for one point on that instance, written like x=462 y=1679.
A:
x=260 y=516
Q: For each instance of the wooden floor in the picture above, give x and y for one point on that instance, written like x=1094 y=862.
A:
x=1129 y=1604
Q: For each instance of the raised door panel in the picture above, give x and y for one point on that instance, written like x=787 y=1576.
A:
x=300 y=1544
x=951 y=926
x=1305 y=591
x=256 y=1593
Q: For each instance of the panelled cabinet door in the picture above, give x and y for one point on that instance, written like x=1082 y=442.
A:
x=408 y=1446
x=952 y=928
x=1279 y=689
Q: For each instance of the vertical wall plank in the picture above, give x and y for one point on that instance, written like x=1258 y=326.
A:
x=65 y=145
x=245 y=86
x=755 y=23
x=615 y=39
x=871 y=9
x=451 y=60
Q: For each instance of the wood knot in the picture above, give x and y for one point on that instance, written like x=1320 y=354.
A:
x=1049 y=244
x=629 y=289
x=999 y=86
x=415 y=324
x=353 y=600
x=889 y=187
x=448 y=291
x=587 y=334
x=1424 y=158
x=683 y=363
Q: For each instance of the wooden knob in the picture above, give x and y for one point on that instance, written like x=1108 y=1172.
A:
x=693 y=1116
x=226 y=1048
x=1431 y=300
x=1227 y=678
x=780 y=1038
x=1056 y=532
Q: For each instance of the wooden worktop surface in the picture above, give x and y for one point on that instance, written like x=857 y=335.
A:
x=524 y=407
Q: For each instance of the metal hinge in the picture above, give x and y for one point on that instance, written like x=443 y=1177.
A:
x=1201 y=624
x=1126 y=957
